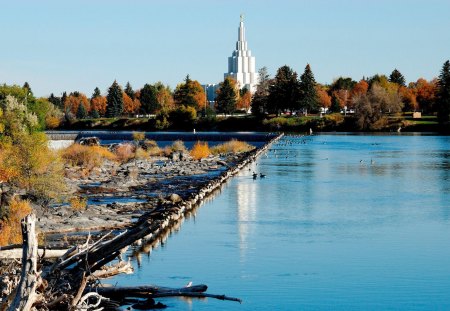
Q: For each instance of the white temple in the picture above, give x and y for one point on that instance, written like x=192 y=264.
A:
x=241 y=64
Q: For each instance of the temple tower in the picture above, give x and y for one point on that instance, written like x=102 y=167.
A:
x=241 y=64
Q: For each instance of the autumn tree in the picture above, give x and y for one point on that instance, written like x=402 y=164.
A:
x=260 y=97
x=98 y=104
x=307 y=87
x=323 y=99
x=360 y=88
x=114 y=101
x=409 y=98
x=244 y=100
x=443 y=94
x=130 y=106
x=164 y=96
x=74 y=99
x=425 y=94
x=190 y=93
x=397 y=77
x=370 y=108
x=227 y=96
x=284 y=91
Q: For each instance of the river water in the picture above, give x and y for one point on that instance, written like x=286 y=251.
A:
x=340 y=222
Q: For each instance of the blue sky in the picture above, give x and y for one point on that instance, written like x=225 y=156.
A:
x=77 y=45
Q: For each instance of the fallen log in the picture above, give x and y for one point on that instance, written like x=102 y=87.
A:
x=29 y=279
x=130 y=291
x=16 y=253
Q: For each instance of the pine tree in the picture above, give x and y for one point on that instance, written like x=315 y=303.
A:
x=284 y=91
x=443 y=96
x=129 y=91
x=63 y=99
x=308 y=94
x=149 y=101
x=55 y=101
x=335 y=105
x=227 y=97
x=27 y=87
x=81 y=112
x=397 y=77
x=95 y=114
x=96 y=93
x=114 y=101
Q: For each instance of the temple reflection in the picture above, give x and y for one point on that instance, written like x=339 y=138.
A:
x=246 y=203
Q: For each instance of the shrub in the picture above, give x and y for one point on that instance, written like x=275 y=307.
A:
x=11 y=232
x=138 y=136
x=232 y=146
x=200 y=150
x=124 y=152
x=78 y=203
x=86 y=156
x=178 y=145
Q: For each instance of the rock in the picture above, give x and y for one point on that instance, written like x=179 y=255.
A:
x=174 y=198
x=89 y=141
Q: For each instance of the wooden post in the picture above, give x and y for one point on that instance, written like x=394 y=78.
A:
x=26 y=290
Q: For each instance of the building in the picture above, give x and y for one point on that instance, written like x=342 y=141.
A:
x=241 y=63
x=241 y=67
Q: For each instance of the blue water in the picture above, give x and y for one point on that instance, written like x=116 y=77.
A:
x=341 y=222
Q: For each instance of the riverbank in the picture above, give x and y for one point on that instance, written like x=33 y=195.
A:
x=322 y=123
x=118 y=195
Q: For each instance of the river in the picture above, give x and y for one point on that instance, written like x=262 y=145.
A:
x=340 y=222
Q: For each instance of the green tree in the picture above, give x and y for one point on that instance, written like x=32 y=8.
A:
x=397 y=77
x=81 y=112
x=308 y=93
x=283 y=91
x=335 y=104
x=129 y=91
x=96 y=93
x=443 y=94
x=342 y=83
x=27 y=88
x=259 y=98
x=56 y=101
x=95 y=114
x=227 y=96
x=114 y=101
x=149 y=101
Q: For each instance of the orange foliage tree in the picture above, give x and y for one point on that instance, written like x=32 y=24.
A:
x=130 y=106
x=73 y=101
x=99 y=103
x=425 y=93
x=360 y=88
x=190 y=93
x=323 y=98
x=409 y=98
x=244 y=101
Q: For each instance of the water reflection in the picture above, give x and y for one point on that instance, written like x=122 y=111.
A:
x=246 y=208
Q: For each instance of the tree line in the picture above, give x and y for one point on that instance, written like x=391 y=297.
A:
x=371 y=99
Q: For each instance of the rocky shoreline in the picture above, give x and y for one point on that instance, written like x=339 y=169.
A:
x=119 y=195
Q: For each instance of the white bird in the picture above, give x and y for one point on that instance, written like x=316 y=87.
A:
x=189 y=284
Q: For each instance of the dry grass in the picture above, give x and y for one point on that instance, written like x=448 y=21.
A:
x=124 y=152
x=138 y=136
x=11 y=232
x=200 y=150
x=178 y=145
x=78 y=203
x=232 y=146
x=86 y=156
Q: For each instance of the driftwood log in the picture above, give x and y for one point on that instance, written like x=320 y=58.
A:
x=71 y=283
x=29 y=279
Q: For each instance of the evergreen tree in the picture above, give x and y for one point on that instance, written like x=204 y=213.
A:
x=27 y=87
x=149 y=101
x=335 y=104
x=443 y=96
x=96 y=93
x=63 y=99
x=226 y=97
x=397 y=77
x=308 y=93
x=114 y=101
x=81 y=112
x=129 y=91
x=284 y=91
x=95 y=114
x=55 y=101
